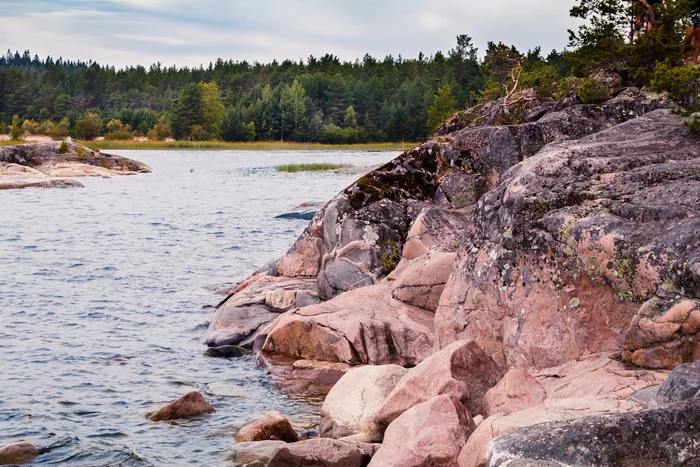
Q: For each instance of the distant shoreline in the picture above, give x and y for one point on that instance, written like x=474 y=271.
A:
x=220 y=145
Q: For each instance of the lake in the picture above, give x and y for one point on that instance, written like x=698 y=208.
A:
x=103 y=295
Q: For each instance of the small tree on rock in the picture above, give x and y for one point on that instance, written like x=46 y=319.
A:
x=442 y=109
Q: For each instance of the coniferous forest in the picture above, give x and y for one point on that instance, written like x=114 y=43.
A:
x=319 y=100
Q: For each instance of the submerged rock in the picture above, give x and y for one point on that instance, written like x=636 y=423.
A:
x=261 y=451
x=190 y=405
x=19 y=184
x=271 y=426
x=226 y=351
x=19 y=453
x=660 y=437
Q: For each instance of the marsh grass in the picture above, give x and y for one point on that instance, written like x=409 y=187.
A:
x=255 y=146
x=317 y=167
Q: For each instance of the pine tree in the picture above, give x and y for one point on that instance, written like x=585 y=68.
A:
x=442 y=109
x=187 y=112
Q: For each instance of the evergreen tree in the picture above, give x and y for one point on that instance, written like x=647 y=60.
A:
x=442 y=109
x=187 y=112
x=212 y=110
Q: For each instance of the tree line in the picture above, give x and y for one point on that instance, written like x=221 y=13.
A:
x=317 y=100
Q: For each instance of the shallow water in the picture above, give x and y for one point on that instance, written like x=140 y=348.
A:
x=102 y=292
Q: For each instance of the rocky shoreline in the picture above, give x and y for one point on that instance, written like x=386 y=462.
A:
x=500 y=295
x=47 y=165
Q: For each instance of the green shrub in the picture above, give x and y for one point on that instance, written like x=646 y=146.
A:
x=64 y=148
x=585 y=88
x=681 y=82
x=694 y=126
x=16 y=132
x=118 y=135
x=80 y=151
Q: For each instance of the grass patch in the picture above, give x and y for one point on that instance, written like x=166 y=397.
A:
x=294 y=168
x=255 y=146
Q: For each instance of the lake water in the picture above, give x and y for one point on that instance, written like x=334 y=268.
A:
x=102 y=296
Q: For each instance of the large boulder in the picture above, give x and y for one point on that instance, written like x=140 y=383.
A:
x=252 y=305
x=660 y=437
x=573 y=239
x=461 y=370
x=191 y=404
x=517 y=391
x=432 y=433
x=323 y=452
x=474 y=453
x=422 y=282
x=351 y=406
x=682 y=384
x=362 y=326
x=271 y=426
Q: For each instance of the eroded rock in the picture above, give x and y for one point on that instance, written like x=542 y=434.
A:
x=271 y=426
x=351 y=406
x=323 y=452
x=423 y=280
x=682 y=384
x=517 y=391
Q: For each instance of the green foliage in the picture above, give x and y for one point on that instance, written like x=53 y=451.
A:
x=64 y=147
x=682 y=83
x=89 y=127
x=187 y=111
x=118 y=135
x=80 y=151
x=693 y=125
x=391 y=260
x=162 y=129
x=542 y=78
x=58 y=131
x=585 y=88
x=30 y=127
x=442 y=109
x=16 y=132
x=502 y=66
x=316 y=167
x=621 y=35
x=3 y=128
x=212 y=111
x=350 y=120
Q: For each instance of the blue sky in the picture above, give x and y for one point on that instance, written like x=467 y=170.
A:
x=131 y=32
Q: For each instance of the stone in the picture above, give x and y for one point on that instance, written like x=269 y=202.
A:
x=245 y=453
x=364 y=326
x=190 y=405
x=227 y=389
x=226 y=351
x=434 y=228
x=517 y=391
x=272 y=425
x=20 y=184
x=683 y=383
x=351 y=406
x=422 y=282
x=654 y=437
x=323 y=452
x=431 y=433
x=341 y=276
x=474 y=453
x=18 y=453
x=461 y=370
x=313 y=379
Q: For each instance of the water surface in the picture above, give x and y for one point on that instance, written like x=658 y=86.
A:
x=102 y=292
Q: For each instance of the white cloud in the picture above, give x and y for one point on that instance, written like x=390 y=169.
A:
x=130 y=32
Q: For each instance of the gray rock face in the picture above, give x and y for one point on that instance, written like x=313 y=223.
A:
x=660 y=437
x=682 y=384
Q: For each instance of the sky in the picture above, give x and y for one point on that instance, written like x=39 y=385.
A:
x=191 y=33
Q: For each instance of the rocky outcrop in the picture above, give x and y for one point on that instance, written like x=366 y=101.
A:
x=660 y=437
x=432 y=433
x=19 y=184
x=573 y=240
x=271 y=426
x=422 y=281
x=365 y=326
x=323 y=452
x=461 y=370
x=351 y=406
x=190 y=405
x=48 y=154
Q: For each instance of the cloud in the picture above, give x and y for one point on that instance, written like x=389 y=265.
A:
x=131 y=32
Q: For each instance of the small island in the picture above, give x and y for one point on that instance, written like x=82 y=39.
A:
x=54 y=164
